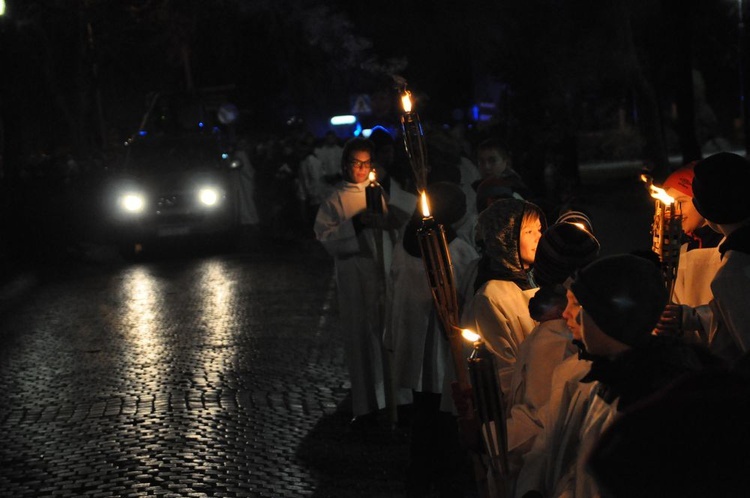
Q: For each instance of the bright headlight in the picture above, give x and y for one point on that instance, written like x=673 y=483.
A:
x=132 y=202
x=208 y=196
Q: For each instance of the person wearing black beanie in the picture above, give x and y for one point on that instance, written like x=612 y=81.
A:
x=690 y=441
x=613 y=306
x=719 y=190
x=563 y=248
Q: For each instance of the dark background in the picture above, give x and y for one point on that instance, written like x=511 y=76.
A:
x=562 y=82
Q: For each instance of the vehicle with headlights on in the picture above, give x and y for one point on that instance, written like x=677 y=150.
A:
x=177 y=187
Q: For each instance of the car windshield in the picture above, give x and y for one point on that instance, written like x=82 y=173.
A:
x=174 y=153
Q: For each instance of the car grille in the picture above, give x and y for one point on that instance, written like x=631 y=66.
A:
x=172 y=202
x=182 y=208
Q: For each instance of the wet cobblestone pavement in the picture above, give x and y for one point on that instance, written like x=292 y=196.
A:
x=199 y=377
x=203 y=377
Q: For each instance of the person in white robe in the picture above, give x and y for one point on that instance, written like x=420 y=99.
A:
x=720 y=197
x=421 y=352
x=348 y=233
x=499 y=310
x=563 y=248
x=720 y=193
x=613 y=306
x=689 y=313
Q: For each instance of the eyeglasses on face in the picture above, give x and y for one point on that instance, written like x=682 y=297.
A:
x=360 y=164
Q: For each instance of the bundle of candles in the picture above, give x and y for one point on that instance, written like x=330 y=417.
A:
x=666 y=231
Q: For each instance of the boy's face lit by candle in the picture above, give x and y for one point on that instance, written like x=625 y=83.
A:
x=531 y=232
x=691 y=219
x=572 y=316
x=359 y=166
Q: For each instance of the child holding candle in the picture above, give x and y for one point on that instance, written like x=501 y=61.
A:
x=698 y=261
x=348 y=233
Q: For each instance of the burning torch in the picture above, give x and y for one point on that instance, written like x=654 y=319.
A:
x=414 y=144
x=433 y=244
x=666 y=231
x=439 y=268
x=489 y=403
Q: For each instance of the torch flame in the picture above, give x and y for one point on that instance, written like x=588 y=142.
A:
x=470 y=335
x=661 y=194
x=406 y=101
x=425 y=205
x=372 y=177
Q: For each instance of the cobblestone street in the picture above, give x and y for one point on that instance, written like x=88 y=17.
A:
x=204 y=376
x=215 y=376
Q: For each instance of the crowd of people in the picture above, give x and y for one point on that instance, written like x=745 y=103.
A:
x=609 y=384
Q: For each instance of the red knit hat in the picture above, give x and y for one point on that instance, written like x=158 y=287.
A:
x=681 y=180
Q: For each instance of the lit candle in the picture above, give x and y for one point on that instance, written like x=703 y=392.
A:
x=666 y=232
x=414 y=144
x=437 y=262
x=374 y=195
x=489 y=403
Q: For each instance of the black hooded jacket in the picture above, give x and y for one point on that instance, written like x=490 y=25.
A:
x=499 y=228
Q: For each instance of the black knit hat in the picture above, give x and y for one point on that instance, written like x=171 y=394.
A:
x=562 y=249
x=577 y=218
x=624 y=294
x=447 y=202
x=720 y=188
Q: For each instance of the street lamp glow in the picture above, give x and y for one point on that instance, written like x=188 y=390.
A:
x=343 y=120
x=2 y=7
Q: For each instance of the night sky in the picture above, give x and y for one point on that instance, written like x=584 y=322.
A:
x=552 y=67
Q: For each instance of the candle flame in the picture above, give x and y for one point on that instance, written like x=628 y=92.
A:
x=661 y=194
x=425 y=205
x=470 y=335
x=372 y=176
x=406 y=101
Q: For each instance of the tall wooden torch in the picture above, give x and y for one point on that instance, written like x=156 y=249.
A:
x=490 y=408
x=413 y=135
x=439 y=268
